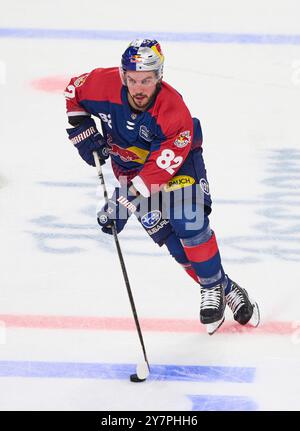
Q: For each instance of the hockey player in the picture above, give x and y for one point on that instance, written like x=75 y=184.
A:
x=156 y=153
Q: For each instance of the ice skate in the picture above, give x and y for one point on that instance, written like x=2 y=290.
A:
x=212 y=308
x=244 y=310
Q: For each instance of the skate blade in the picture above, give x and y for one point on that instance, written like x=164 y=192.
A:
x=213 y=327
x=255 y=319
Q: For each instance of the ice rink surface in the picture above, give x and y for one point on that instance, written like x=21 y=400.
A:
x=67 y=338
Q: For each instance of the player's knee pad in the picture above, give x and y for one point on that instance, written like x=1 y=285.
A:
x=190 y=222
x=200 y=236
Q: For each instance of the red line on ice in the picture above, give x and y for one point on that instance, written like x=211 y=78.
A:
x=147 y=324
x=50 y=84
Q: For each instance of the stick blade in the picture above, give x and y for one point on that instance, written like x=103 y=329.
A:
x=142 y=372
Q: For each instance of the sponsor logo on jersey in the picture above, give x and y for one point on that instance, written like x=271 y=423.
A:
x=183 y=139
x=145 y=133
x=204 y=186
x=131 y=154
x=151 y=219
x=158 y=227
x=179 y=182
x=123 y=153
x=79 y=81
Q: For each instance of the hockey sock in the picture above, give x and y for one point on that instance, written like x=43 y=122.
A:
x=190 y=271
x=228 y=284
x=203 y=253
x=176 y=250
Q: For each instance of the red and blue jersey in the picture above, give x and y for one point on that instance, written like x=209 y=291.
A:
x=147 y=147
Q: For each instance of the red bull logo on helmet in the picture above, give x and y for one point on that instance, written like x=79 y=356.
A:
x=137 y=58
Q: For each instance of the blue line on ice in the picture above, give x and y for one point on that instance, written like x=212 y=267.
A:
x=187 y=373
x=198 y=37
x=222 y=403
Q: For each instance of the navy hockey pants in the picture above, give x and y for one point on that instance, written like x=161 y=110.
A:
x=179 y=219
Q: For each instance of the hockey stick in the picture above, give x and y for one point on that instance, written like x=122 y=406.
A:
x=143 y=369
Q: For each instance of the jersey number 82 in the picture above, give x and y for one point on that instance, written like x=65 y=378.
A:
x=168 y=161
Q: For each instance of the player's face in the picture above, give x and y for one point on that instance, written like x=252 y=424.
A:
x=141 y=87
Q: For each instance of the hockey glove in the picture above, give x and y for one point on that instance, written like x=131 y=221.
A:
x=87 y=139
x=118 y=209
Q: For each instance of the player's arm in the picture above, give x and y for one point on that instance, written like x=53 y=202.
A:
x=167 y=158
x=73 y=95
x=84 y=134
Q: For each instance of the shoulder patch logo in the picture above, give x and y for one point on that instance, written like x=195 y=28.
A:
x=79 y=81
x=204 y=186
x=145 y=133
x=183 y=139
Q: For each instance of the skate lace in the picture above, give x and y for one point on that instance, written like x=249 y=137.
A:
x=235 y=299
x=210 y=298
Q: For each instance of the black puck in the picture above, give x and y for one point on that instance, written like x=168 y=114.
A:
x=134 y=378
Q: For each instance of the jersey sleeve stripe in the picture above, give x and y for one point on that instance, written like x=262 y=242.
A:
x=74 y=113
x=140 y=186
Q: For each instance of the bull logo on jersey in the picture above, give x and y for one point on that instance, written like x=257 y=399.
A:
x=130 y=154
x=123 y=153
x=183 y=139
x=151 y=219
